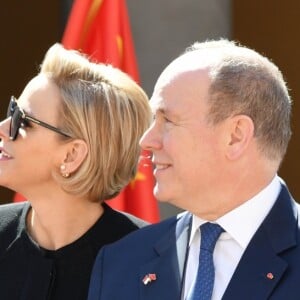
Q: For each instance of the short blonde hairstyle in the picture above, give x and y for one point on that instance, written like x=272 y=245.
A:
x=104 y=107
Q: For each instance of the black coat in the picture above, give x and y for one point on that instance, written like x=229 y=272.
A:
x=32 y=273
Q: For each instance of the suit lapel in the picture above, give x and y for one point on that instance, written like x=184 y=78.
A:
x=258 y=272
x=168 y=265
x=261 y=267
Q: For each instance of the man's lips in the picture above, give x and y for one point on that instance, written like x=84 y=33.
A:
x=161 y=166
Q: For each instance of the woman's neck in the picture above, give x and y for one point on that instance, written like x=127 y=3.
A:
x=54 y=225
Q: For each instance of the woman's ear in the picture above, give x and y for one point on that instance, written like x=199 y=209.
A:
x=240 y=135
x=77 y=151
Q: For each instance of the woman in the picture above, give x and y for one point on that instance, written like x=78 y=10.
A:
x=69 y=142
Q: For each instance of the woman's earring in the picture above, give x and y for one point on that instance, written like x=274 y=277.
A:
x=64 y=174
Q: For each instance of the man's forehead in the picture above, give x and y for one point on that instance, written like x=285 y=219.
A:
x=193 y=60
x=185 y=65
x=156 y=102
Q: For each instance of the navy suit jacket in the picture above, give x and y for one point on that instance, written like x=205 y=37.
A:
x=268 y=269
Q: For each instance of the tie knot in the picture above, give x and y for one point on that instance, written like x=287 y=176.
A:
x=210 y=233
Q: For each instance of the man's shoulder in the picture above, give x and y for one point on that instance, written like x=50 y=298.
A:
x=139 y=223
x=122 y=261
x=152 y=233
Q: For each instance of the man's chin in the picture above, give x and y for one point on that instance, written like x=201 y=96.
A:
x=161 y=195
x=158 y=194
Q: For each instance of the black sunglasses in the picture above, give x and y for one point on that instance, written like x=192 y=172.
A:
x=19 y=118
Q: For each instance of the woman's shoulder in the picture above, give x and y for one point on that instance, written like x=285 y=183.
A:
x=12 y=210
x=111 y=226
x=11 y=216
x=121 y=218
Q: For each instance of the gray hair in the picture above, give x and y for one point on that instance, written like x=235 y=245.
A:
x=245 y=82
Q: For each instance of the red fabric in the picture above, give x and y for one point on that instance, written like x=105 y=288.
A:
x=100 y=28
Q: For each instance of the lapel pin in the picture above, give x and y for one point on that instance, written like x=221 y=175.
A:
x=149 y=278
x=270 y=276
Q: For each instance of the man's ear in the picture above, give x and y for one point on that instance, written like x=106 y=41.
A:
x=77 y=151
x=241 y=133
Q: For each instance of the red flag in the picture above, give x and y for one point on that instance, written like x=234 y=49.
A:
x=101 y=29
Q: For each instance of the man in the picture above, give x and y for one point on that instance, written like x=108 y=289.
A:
x=221 y=129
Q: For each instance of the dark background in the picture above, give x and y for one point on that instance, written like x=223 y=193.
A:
x=272 y=28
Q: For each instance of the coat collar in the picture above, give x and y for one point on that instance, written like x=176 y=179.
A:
x=257 y=274
x=261 y=266
x=169 y=263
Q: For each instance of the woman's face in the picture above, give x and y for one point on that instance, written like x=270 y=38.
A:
x=30 y=160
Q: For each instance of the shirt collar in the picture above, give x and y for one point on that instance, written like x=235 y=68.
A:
x=242 y=222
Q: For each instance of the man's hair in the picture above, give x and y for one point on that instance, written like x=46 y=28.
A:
x=245 y=82
x=104 y=107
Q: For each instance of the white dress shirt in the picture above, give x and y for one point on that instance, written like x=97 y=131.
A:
x=240 y=225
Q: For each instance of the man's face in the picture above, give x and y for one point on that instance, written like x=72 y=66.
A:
x=186 y=149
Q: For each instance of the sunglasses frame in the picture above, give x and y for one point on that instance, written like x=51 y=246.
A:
x=13 y=109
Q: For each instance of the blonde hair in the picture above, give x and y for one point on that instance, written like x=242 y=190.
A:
x=104 y=107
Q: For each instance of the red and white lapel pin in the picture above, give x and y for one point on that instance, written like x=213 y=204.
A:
x=149 y=278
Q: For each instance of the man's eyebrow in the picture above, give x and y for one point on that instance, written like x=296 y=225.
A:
x=159 y=111
x=166 y=113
